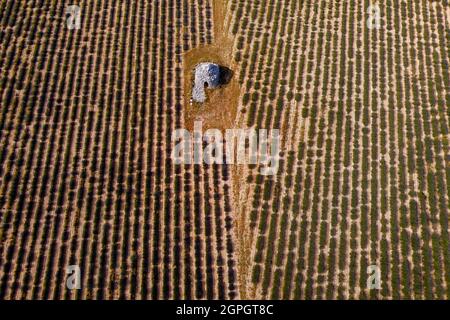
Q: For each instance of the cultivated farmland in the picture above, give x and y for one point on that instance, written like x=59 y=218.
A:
x=86 y=175
x=364 y=177
x=87 y=178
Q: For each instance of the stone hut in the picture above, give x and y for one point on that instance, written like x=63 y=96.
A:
x=207 y=75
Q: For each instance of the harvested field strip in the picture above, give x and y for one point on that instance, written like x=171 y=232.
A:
x=368 y=184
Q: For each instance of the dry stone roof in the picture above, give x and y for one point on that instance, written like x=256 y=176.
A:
x=206 y=74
